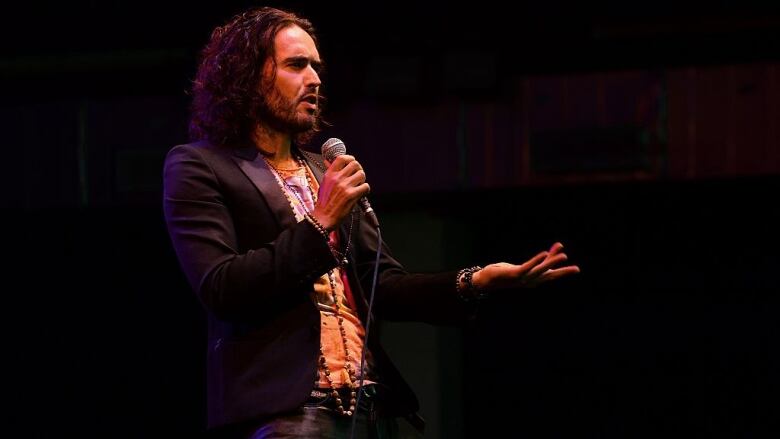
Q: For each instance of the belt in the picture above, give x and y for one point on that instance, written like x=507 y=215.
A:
x=372 y=398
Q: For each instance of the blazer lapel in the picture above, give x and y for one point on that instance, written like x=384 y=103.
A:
x=253 y=165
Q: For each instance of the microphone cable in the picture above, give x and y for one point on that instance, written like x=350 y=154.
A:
x=331 y=149
x=365 y=337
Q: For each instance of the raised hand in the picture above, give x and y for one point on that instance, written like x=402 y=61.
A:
x=543 y=267
x=342 y=186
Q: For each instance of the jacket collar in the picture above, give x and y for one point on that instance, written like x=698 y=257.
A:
x=256 y=169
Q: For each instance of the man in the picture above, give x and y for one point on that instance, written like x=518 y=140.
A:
x=270 y=238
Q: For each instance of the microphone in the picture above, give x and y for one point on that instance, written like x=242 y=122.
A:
x=333 y=148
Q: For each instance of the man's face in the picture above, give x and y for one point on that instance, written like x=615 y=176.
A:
x=292 y=96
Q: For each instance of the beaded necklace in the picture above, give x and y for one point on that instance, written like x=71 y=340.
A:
x=287 y=189
x=342 y=256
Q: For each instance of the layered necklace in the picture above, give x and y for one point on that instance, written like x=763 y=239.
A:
x=348 y=368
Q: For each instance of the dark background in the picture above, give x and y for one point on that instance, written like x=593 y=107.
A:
x=643 y=135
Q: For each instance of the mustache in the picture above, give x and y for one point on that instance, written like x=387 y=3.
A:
x=312 y=93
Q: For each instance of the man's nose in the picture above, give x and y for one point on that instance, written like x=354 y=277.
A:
x=312 y=78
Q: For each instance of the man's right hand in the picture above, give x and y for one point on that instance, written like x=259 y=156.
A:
x=341 y=187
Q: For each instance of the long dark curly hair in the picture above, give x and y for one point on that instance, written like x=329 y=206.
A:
x=226 y=102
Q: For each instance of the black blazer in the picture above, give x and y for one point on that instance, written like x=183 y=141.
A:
x=253 y=267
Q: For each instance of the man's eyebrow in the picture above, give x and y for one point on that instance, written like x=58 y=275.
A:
x=297 y=58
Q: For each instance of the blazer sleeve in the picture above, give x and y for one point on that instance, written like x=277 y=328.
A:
x=234 y=285
x=400 y=295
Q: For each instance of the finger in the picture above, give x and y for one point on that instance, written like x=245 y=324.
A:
x=362 y=190
x=356 y=179
x=350 y=169
x=531 y=263
x=341 y=162
x=548 y=263
x=555 y=248
x=558 y=273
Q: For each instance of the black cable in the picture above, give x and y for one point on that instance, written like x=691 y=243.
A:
x=365 y=337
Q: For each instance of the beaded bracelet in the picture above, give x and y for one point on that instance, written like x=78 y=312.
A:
x=470 y=292
x=317 y=225
x=341 y=257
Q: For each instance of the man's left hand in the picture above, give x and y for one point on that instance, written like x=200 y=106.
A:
x=543 y=267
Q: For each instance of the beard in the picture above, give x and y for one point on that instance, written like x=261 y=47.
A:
x=282 y=115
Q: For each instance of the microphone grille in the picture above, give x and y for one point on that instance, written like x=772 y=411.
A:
x=333 y=148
